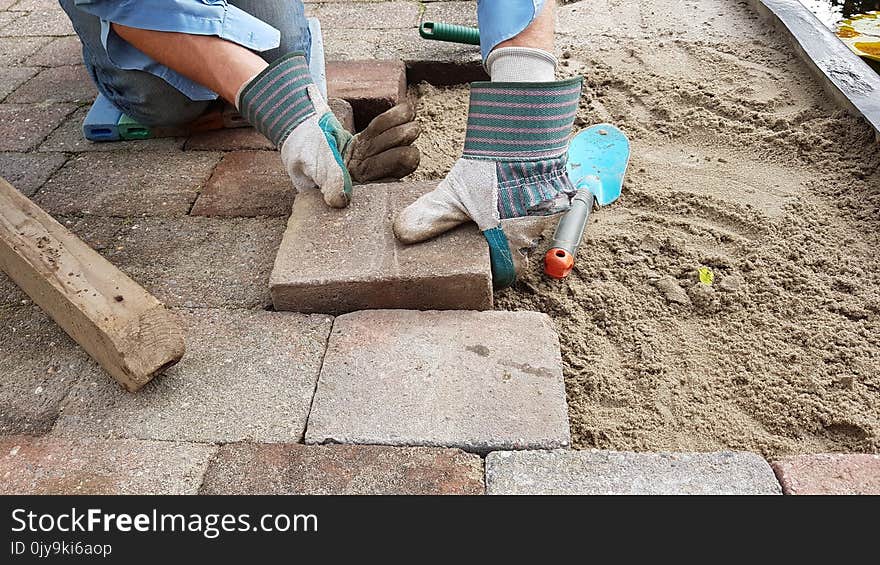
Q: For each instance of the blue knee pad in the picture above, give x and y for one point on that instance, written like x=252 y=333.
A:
x=502 y=19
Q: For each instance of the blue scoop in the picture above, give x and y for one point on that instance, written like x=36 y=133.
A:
x=597 y=160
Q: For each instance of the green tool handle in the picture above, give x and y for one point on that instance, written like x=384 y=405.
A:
x=452 y=33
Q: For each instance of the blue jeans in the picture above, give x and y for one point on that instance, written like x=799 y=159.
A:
x=152 y=101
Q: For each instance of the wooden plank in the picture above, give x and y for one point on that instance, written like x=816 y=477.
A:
x=117 y=322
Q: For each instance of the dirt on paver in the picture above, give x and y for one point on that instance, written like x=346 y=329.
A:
x=742 y=164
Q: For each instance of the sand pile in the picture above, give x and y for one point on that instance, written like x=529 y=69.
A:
x=743 y=165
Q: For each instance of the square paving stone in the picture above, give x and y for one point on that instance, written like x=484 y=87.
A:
x=57 y=84
x=197 y=262
x=479 y=381
x=613 y=472
x=53 y=465
x=338 y=261
x=28 y=171
x=24 y=126
x=395 y=14
x=13 y=77
x=283 y=469
x=38 y=366
x=247 y=183
x=829 y=473
x=246 y=375
x=69 y=138
x=127 y=183
x=370 y=86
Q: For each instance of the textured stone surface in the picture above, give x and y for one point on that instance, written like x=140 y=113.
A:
x=343 y=111
x=69 y=137
x=13 y=77
x=57 y=84
x=39 y=22
x=54 y=465
x=475 y=380
x=24 y=126
x=246 y=375
x=829 y=473
x=28 y=171
x=16 y=50
x=235 y=139
x=612 y=472
x=38 y=366
x=196 y=262
x=370 y=15
x=371 y=87
x=126 y=184
x=281 y=469
x=247 y=183
x=370 y=268
x=61 y=51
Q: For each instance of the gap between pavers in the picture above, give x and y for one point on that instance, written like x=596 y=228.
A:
x=88 y=466
x=561 y=472
x=283 y=469
x=479 y=381
x=338 y=261
x=246 y=375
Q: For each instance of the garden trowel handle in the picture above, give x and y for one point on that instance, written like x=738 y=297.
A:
x=559 y=261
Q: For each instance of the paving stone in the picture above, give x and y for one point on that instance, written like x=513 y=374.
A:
x=344 y=112
x=371 y=87
x=625 y=473
x=52 y=465
x=62 y=51
x=34 y=5
x=246 y=375
x=10 y=293
x=15 y=50
x=127 y=183
x=38 y=23
x=69 y=138
x=357 y=15
x=234 y=139
x=6 y=4
x=339 y=261
x=24 y=126
x=38 y=366
x=829 y=473
x=7 y=18
x=57 y=84
x=247 y=183
x=13 y=77
x=479 y=381
x=285 y=469
x=196 y=262
x=28 y=171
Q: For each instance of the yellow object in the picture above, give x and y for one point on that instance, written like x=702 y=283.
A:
x=861 y=33
x=706 y=275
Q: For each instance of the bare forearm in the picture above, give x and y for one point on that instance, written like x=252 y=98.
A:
x=215 y=63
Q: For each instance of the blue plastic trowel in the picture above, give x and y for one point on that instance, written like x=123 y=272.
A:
x=597 y=161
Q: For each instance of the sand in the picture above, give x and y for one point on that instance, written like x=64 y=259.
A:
x=742 y=164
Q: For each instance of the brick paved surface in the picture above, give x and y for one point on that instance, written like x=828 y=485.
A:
x=250 y=374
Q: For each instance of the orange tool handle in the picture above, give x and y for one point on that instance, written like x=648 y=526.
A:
x=559 y=261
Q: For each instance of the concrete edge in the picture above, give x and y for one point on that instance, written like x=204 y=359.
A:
x=843 y=74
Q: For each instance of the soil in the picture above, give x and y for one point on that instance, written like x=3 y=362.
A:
x=743 y=164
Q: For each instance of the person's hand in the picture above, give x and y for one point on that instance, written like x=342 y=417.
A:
x=384 y=149
x=511 y=179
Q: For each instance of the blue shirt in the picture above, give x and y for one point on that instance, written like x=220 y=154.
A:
x=198 y=17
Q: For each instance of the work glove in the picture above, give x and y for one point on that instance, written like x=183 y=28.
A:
x=511 y=179
x=283 y=103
